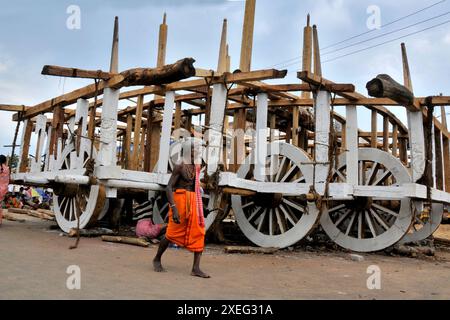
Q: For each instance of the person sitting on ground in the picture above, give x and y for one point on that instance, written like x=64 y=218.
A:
x=4 y=182
x=146 y=228
x=11 y=201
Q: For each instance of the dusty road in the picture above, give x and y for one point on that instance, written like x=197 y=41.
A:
x=34 y=261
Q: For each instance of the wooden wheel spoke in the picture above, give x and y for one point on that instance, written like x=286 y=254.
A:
x=372 y=174
x=261 y=219
x=280 y=223
x=248 y=204
x=380 y=220
x=384 y=209
x=271 y=222
x=289 y=173
x=369 y=222
x=383 y=178
x=350 y=224
x=340 y=175
x=342 y=217
x=293 y=205
x=287 y=215
x=254 y=213
x=360 y=225
x=280 y=169
x=301 y=179
x=337 y=208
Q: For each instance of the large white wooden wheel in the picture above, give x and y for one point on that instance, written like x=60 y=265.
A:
x=161 y=205
x=368 y=224
x=424 y=226
x=276 y=219
x=85 y=201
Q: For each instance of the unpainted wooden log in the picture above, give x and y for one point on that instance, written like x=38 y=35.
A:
x=126 y=240
x=383 y=86
x=248 y=250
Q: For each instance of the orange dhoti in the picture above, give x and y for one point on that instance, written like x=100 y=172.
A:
x=188 y=233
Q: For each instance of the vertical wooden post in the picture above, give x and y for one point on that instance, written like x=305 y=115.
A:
x=445 y=151
x=374 y=130
x=127 y=144
x=223 y=51
x=395 y=140
x=154 y=130
x=439 y=169
x=386 y=134
x=351 y=130
x=163 y=160
x=300 y=138
x=273 y=123
x=140 y=162
x=109 y=110
x=244 y=66
x=25 y=145
x=41 y=122
x=215 y=132
x=260 y=144
x=137 y=132
x=415 y=125
x=323 y=121
x=148 y=140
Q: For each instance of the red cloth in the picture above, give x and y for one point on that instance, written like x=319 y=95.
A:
x=188 y=233
x=4 y=181
x=198 y=193
x=146 y=228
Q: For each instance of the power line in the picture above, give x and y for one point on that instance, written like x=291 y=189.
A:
x=387 y=24
x=386 y=42
x=283 y=63
x=386 y=34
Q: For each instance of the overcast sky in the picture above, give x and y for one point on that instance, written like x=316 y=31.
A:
x=34 y=33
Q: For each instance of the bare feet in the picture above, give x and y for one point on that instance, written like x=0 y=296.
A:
x=199 y=273
x=157 y=266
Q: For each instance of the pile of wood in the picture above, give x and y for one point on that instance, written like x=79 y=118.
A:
x=39 y=213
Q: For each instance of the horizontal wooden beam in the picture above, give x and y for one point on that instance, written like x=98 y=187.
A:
x=13 y=108
x=229 y=78
x=75 y=73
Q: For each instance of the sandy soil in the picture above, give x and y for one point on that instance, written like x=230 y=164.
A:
x=34 y=261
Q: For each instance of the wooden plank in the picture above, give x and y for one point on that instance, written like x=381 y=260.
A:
x=126 y=240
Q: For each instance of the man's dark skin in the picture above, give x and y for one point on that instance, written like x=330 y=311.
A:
x=183 y=177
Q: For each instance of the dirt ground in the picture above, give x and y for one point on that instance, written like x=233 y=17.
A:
x=34 y=262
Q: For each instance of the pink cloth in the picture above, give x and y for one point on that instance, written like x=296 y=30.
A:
x=198 y=193
x=4 y=181
x=146 y=228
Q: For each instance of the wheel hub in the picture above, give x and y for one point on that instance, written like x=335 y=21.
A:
x=361 y=203
x=268 y=200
